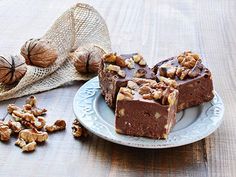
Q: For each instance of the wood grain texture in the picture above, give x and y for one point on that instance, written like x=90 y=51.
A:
x=157 y=29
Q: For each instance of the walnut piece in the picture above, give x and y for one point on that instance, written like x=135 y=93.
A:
x=144 y=90
x=125 y=94
x=188 y=59
x=120 y=61
x=109 y=58
x=16 y=127
x=132 y=85
x=39 y=122
x=116 y=69
x=196 y=70
x=24 y=116
x=32 y=100
x=137 y=58
x=5 y=132
x=130 y=63
x=20 y=142
x=140 y=73
x=29 y=147
x=112 y=67
x=167 y=70
x=78 y=130
x=58 y=125
x=31 y=135
x=172 y=97
x=122 y=73
x=142 y=62
x=168 y=81
x=12 y=107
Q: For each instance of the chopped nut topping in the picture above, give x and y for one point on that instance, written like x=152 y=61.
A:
x=132 y=85
x=184 y=74
x=157 y=94
x=190 y=65
x=137 y=58
x=120 y=96
x=140 y=73
x=122 y=73
x=157 y=115
x=144 y=90
x=120 y=61
x=130 y=63
x=110 y=58
x=121 y=112
x=142 y=62
x=172 y=97
x=147 y=96
x=150 y=89
x=141 y=81
x=125 y=94
x=168 y=81
x=188 y=59
x=196 y=70
x=113 y=68
x=167 y=70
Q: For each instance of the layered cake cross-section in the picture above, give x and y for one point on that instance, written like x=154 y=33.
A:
x=116 y=70
x=146 y=108
x=187 y=74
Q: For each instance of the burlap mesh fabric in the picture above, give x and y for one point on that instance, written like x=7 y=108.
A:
x=79 y=26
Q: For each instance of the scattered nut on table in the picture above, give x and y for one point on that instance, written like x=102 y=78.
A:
x=58 y=125
x=29 y=124
x=78 y=130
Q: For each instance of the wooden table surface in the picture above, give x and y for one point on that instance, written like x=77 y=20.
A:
x=157 y=29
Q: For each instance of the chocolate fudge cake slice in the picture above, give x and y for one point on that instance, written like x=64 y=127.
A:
x=187 y=73
x=115 y=71
x=146 y=108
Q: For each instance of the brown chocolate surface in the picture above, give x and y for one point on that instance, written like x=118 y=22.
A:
x=110 y=82
x=148 y=117
x=192 y=91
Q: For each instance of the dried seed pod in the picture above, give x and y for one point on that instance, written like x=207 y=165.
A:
x=39 y=52
x=12 y=69
x=86 y=60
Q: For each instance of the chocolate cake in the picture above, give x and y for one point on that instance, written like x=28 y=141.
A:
x=115 y=71
x=146 y=108
x=187 y=74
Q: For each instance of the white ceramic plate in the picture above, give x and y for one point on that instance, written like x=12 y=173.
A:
x=193 y=124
